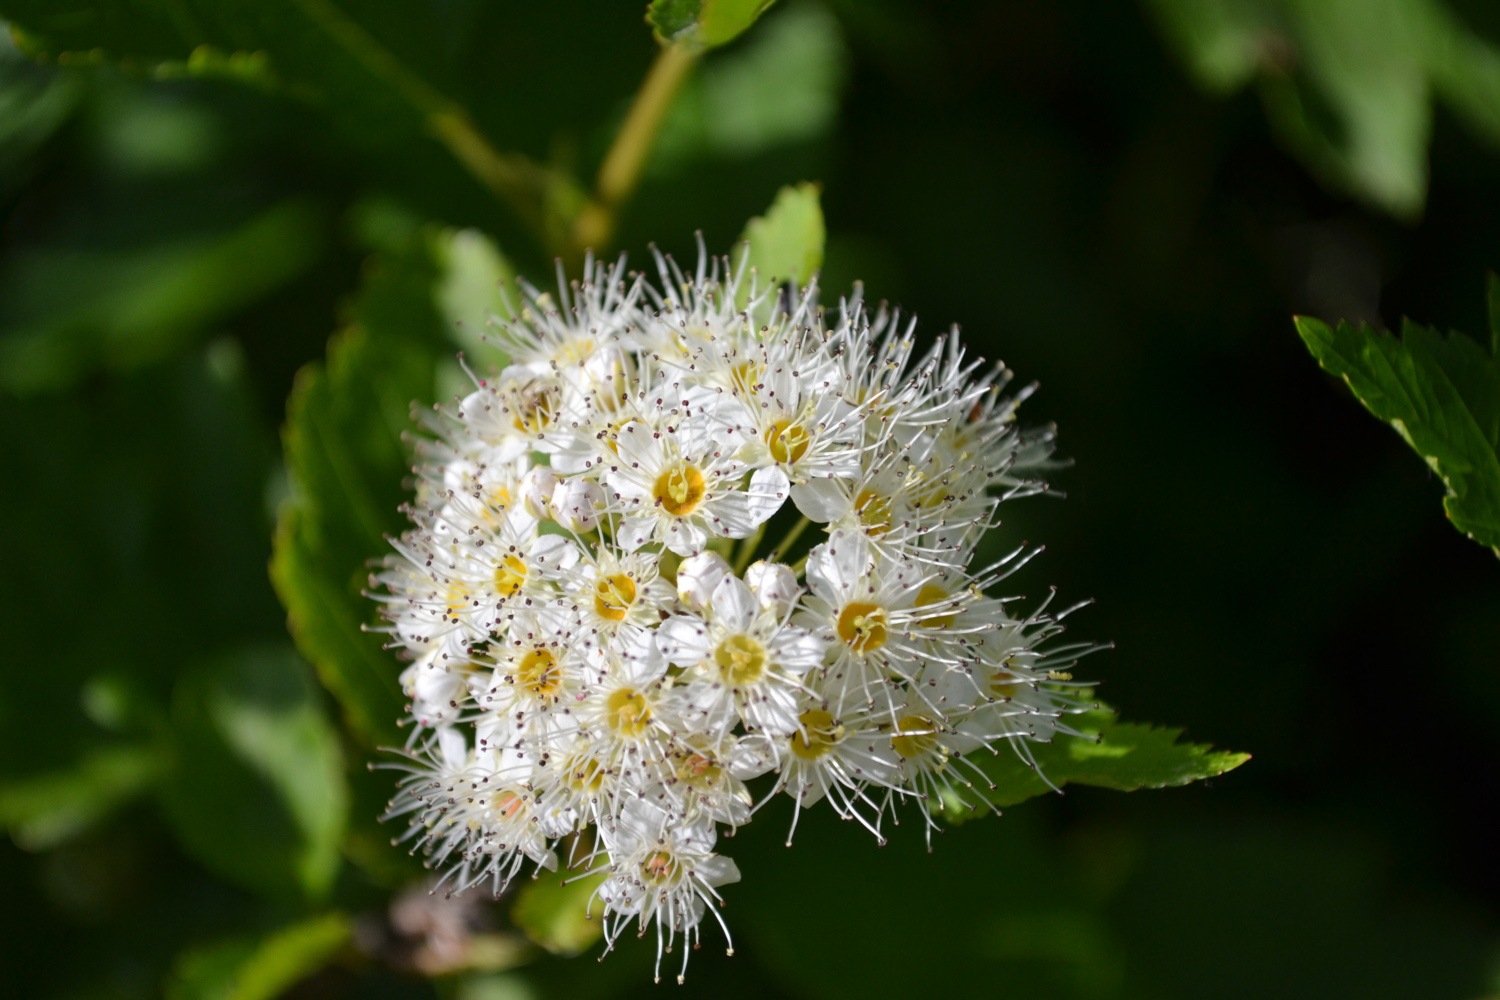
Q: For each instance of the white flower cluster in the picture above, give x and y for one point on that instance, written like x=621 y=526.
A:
x=597 y=664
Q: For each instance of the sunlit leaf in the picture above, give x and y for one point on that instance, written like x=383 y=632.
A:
x=703 y=23
x=1441 y=394
x=249 y=969
x=785 y=244
x=44 y=810
x=476 y=285
x=1125 y=756
x=554 y=911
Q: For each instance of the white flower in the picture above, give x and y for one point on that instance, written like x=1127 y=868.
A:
x=675 y=485
x=596 y=658
x=746 y=656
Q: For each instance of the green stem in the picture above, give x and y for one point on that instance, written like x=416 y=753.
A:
x=747 y=549
x=790 y=538
x=621 y=170
x=509 y=175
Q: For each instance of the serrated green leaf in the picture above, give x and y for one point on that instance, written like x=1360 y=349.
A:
x=1125 y=756
x=256 y=788
x=1441 y=394
x=247 y=969
x=45 y=810
x=347 y=458
x=703 y=23
x=785 y=244
x=553 y=911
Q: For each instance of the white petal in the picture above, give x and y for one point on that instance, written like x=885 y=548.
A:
x=774 y=586
x=797 y=651
x=684 y=640
x=836 y=568
x=821 y=500
x=717 y=870
x=698 y=576
x=685 y=538
x=455 y=747
x=635 y=532
x=768 y=491
x=734 y=606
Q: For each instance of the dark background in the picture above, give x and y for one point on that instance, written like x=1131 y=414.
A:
x=1272 y=563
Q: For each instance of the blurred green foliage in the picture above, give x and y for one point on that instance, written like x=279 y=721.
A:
x=198 y=196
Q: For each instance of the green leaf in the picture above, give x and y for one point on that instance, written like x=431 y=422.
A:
x=786 y=244
x=246 y=969
x=348 y=461
x=1125 y=756
x=256 y=791
x=44 y=810
x=1347 y=84
x=703 y=23
x=1442 y=394
x=554 y=911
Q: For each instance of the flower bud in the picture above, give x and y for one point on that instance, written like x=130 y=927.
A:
x=537 y=487
x=576 y=503
x=698 y=576
x=774 y=586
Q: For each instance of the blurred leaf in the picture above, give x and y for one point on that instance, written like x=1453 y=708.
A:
x=782 y=86
x=34 y=102
x=269 y=714
x=785 y=244
x=243 y=969
x=703 y=23
x=345 y=452
x=72 y=310
x=554 y=911
x=1346 y=83
x=1442 y=394
x=475 y=285
x=257 y=788
x=44 y=810
x=1126 y=756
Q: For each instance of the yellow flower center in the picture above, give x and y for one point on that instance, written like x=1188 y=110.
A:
x=536 y=408
x=741 y=660
x=818 y=735
x=679 y=490
x=627 y=713
x=583 y=773
x=930 y=594
x=660 y=868
x=788 y=441
x=862 y=626
x=874 y=512
x=916 y=736
x=1004 y=684
x=510 y=576
x=507 y=804
x=613 y=596
x=539 y=673
x=697 y=770
x=745 y=377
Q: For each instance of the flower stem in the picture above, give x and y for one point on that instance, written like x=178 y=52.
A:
x=790 y=538
x=747 y=549
x=626 y=158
